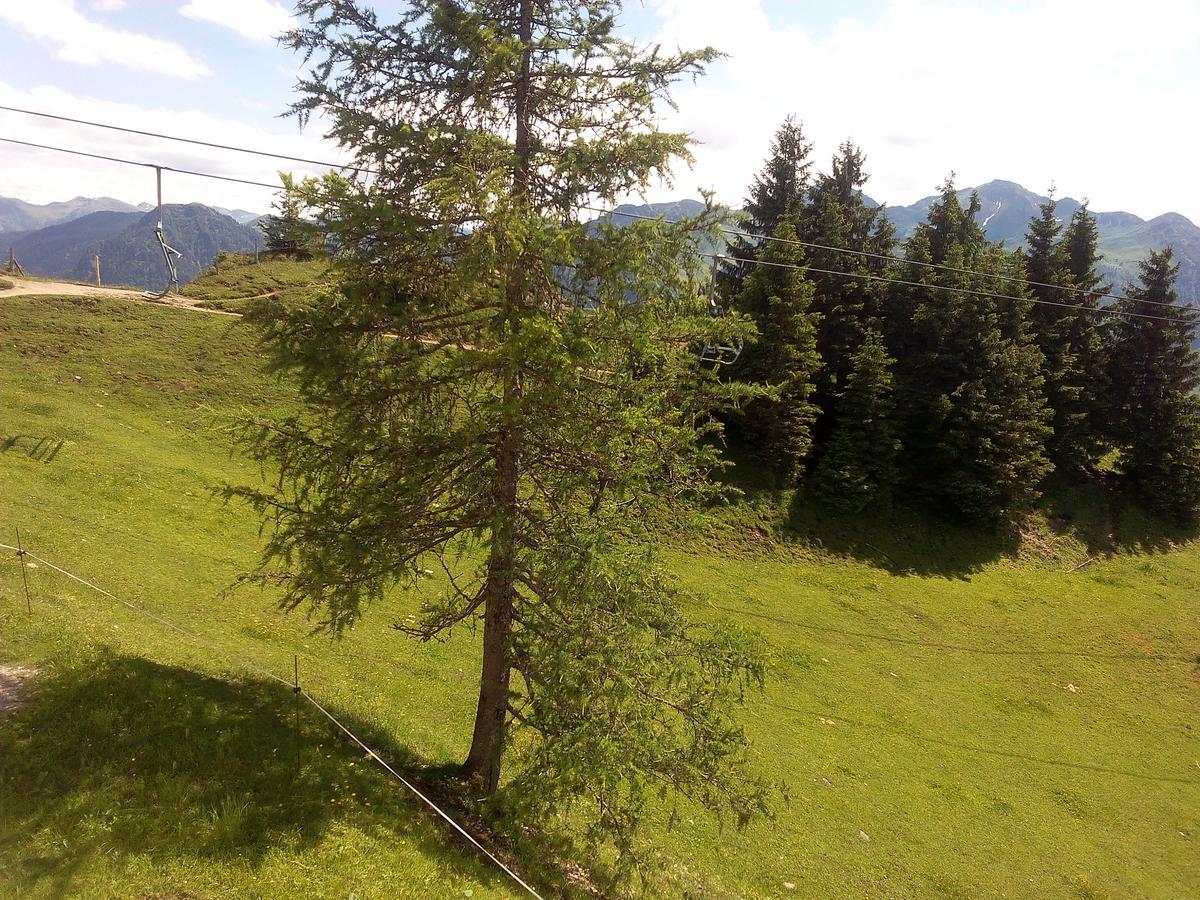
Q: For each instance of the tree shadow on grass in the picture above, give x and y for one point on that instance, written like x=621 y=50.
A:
x=896 y=538
x=1108 y=520
x=125 y=756
x=899 y=540
x=906 y=540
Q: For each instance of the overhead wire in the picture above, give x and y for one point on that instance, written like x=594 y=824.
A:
x=301 y=692
x=604 y=212
x=853 y=275
x=184 y=140
x=133 y=162
x=450 y=820
x=865 y=276
x=899 y=259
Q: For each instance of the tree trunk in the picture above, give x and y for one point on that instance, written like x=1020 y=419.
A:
x=491 y=714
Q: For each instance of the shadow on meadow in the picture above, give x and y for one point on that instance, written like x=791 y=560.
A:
x=125 y=756
x=899 y=540
x=42 y=449
x=908 y=541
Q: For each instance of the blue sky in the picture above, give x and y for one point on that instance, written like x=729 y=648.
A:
x=1097 y=96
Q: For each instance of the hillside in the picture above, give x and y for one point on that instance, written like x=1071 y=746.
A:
x=240 y=278
x=951 y=713
x=65 y=249
x=133 y=256
x=17 y=215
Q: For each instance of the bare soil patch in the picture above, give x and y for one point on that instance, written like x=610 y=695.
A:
x=13 y=686
x=24 y=287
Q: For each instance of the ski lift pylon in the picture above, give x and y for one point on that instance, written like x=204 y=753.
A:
x=167 y=250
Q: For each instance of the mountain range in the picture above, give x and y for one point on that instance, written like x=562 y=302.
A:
x=59 y=239
x=125 y=242
x=17 y=215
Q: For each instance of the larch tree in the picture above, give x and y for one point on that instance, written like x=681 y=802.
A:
x=494 y=393
x=1155 y=416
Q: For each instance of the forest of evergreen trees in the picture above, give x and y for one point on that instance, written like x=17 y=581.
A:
x=968 y=375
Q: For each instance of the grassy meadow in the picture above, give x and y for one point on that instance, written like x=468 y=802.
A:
x=950 y=714
x=236 y=279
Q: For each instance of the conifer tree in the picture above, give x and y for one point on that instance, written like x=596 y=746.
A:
x=494 y=392
x=1155 y=417
x=969 y=386
x=1066 y=331
x=858 y=468
x=778 y=298
x=1088 y=333
x=778 y=191
x=838 y=219
x=284 y=230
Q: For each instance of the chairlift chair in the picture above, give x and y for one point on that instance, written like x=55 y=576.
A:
x=718 y=354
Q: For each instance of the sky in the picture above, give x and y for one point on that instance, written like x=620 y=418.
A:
x=1100 y=98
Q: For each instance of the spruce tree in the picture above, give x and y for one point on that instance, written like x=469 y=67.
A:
x=858 y=468
x=778 y=298
x=1155 y=417
x=838 y=219
x=779 y=190
x=284 y=230
x=969 y=387
x=495 y=392
x=1067 y=332
x=1088 y=333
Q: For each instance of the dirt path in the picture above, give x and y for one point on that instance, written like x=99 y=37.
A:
x=12 y=686
x=27 y=287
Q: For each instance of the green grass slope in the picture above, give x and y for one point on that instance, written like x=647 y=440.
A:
x=950 y=716
x=237 y=278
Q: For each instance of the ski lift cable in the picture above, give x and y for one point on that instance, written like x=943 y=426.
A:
x=946 y=287
x=890 y=258
x=607 y=212
x=735 y=232
x=854 y=275
x=171 y=137
x=132 y=162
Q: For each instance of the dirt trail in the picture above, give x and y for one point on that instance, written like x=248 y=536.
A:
x=26 y=287
x=12 y=686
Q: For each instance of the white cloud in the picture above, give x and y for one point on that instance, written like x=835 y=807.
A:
x=257 y=20
x=1097 y=95
x=42 y=176
x=77 y=39
x=107 y=5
